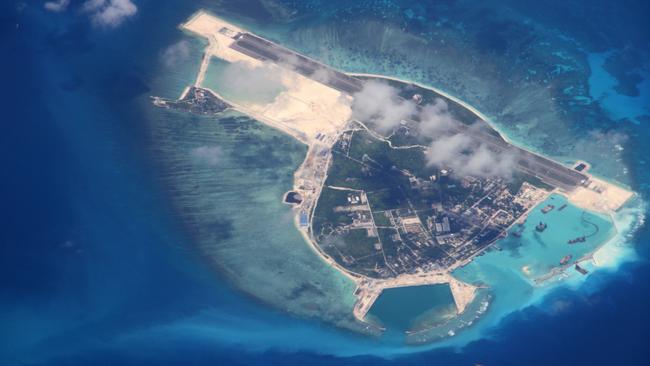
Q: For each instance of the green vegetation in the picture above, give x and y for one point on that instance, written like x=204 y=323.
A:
x=324 y=213
x=348 y=173
x=389 y=245
x=519 y=178
x=387 y=198
x=357 y=243
x=381 y=219
x=437 y=218
x=456 y=110
x=380 y=155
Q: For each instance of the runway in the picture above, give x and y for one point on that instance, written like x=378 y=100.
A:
x=264 y=50
x=547 y=170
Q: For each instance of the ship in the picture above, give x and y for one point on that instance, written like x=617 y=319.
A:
x=566 y=259
x=548 y=208
x=540 y=227
x=580 y=239
x=581 y=270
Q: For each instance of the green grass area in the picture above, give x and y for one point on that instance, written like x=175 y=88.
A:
x=402 y=139
x=363 y=143
x=388 y=244
x=387 y=199
x=407 y=90
x=519 y=178
x=455 y=193
x=348 y=173
x=435 y=252
x=380 y=219
x=380 y=152
x=356 y=243
x=358 y=246
x=367 y=265
x=460 y=113
x=324 y=213
x=422 y=200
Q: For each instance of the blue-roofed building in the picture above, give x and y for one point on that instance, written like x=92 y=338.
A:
x=304 y=219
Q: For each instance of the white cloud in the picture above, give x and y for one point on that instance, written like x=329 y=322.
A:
x=252 y=82
x=57 y=6
x=176 y=53
x=435 y=118
x=465 y=156
x=380 y=103
x=443 y=151
x=484 y=162
x=109 y=13
x=210 y=155
x=291 y=62
x=322 y=75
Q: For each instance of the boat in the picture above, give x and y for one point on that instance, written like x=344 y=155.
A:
x=566 y=259
x=540 y=227
x=548 y=208
x=580 y=239
x=562 y=207
x=581 y=270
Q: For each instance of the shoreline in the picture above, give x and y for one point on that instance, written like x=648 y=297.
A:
x=571 y=196
x=369 y=289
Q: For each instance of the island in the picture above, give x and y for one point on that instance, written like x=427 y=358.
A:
x=392 y=195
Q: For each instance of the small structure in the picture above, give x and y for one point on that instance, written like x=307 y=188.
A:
x=354 y=199
x=547 y=209
x=228 y=32
x=580 y=239
x=293 y=198
x=581 y=166
x=304 y=219
x=581 y=270
x=445 y=225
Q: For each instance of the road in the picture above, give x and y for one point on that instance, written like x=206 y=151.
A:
x=264 y=50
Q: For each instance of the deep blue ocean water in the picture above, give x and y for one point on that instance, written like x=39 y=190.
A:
x=96 y=269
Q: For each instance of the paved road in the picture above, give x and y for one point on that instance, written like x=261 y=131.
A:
x=264 y=50
x=547 y=170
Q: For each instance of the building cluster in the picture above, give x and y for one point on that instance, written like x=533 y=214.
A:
x=195 y=100
x=309 y=179
x=413 y=218
x=444 y=231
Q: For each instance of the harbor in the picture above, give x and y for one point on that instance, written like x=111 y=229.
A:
x=554 y=238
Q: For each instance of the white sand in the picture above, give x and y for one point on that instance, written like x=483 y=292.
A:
x=600 y=196
x=370 y=289
x=305 y=109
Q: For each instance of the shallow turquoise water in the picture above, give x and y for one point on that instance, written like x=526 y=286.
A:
x=510 y=268
x=403 y=308
x=507 y=272
x=536 y=253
